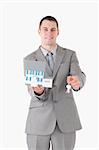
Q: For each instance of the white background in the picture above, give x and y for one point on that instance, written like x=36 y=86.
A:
x=19 y=37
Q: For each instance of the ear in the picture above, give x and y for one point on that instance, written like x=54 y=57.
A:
x=38 y=31
x=58 y=32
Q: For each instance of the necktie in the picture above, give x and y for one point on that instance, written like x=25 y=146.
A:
x=50 y=60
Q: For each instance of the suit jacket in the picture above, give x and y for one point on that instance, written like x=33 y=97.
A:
x=55 y=103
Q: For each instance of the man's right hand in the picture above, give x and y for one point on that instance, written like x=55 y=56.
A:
x=39 y=89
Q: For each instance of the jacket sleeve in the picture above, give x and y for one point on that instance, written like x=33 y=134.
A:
x=76 y=70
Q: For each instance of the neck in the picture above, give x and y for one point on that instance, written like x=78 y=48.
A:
x=49 y=47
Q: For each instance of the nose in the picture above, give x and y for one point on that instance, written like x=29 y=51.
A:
x=49 y=32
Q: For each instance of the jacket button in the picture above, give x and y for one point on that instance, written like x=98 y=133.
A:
x=55 y=101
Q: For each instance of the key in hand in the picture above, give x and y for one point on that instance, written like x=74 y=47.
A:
x=68 y=88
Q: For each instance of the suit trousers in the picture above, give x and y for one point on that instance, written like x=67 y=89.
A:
x=58 y=140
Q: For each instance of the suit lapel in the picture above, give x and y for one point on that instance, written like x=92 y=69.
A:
x=59 y=57
x=41 y=57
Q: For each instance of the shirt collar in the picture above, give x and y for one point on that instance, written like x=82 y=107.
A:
x=44 y=51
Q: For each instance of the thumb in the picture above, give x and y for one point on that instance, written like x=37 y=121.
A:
x=69 y=79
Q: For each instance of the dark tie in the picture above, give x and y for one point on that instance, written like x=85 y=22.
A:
x=50 y=60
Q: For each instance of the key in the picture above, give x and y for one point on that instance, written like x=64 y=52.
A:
x=68 y=88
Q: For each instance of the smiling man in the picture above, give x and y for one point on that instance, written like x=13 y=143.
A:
x=52 y=113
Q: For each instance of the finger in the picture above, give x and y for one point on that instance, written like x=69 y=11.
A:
x=76 y=84
x=38 y=90
x=69 y=79
x=38 y=87
x=74 y=79
x=76 y=87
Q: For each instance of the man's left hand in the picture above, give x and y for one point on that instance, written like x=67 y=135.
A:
x=73 y=81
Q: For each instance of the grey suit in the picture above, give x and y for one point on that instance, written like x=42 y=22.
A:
x=55 y=104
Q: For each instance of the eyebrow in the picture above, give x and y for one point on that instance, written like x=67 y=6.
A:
x=51 y=28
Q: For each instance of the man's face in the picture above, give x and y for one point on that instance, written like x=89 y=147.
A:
x=48 y=32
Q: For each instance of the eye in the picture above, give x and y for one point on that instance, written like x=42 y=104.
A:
x=53 y=29
x=45 y=29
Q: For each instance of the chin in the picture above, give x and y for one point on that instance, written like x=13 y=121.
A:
x=49 y=44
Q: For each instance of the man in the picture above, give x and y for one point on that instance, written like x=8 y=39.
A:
x=53 y=115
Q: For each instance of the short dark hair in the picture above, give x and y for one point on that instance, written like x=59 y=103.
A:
x=50 y=18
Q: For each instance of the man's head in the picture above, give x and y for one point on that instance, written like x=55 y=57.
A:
x=48 y=30
x=50 y=18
